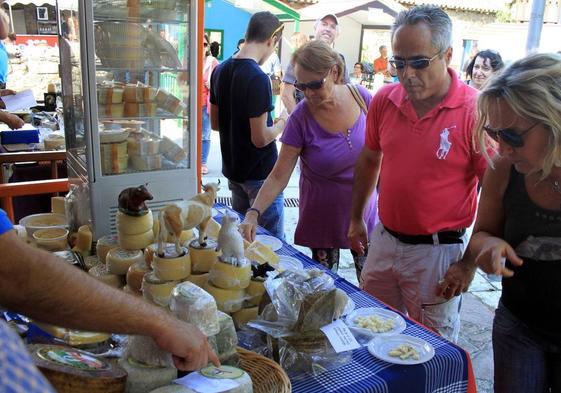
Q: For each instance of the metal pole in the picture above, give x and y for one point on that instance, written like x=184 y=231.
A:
x=11 y=18
x=535 y=26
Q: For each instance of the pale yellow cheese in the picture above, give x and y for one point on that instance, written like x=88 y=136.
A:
x=259 y=252
x=172 y=268
x=227 y=276
x=244 y=315
x=135 y=274
x=57 y=205
x=119 y=260
x=84 y=240
x=157 y=291
x=104 y=244
x=255 y=291
x=134 y=225
x=227 y=300
x=136 y=242
x=102 y=274
x=202 y=259
x=199 y=279
x=73 y=337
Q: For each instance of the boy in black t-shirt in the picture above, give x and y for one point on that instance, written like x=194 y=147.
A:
x=240 y=106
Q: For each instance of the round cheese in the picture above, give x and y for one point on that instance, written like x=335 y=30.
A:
x=172 y=268
x=202 y=258
x=227 y=300
x=71 y=370
x=255 y=291
x=199 y=279
x=173 y=389
x=228 y=372
x=135 y=274
x=102 y=274
x=226 y=339
x=244 y=315
x=194 y=305
x=143 y=349
x=143 y=378
x=134 y=225
x=157 y=291
x=136 y=242
x=227 y=276
x=119 y=260
x=84 y=241
x=104 y=244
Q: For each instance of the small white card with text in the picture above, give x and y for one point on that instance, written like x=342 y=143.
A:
x=340 y=336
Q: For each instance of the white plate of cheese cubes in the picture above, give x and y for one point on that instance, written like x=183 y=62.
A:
x=401 y=349
x=376 y=321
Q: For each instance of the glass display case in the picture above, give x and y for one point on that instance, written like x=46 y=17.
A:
x=129 y=90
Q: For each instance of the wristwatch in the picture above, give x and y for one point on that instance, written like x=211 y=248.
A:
x=255 y=210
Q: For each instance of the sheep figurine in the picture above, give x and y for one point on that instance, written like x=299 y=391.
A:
x=230 y=240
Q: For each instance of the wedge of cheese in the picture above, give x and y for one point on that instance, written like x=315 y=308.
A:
x=261 y=253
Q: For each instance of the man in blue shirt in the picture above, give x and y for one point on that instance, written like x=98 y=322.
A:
x=240 y=106
x=39 y=285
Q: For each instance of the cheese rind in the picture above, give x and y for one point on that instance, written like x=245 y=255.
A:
x=227 y=300
x=255 y=291
x=104 y=244
x=144 y=350
x=244 y=315
x=136 y=242
x=157 y=291
x=142 y=378
x=202 y=259
x=119 y=260
x=194 y=305
x=134 y=225
x=226 y=339
x=172 y=268
x=102 y=274
x=135 y=274
x=198 y=279
x=227 y=276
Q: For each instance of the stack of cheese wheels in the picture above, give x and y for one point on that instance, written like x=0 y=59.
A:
x=171 y=266
x=194 y=305
x=255 y=290
x=202 y=258
x=104 y=244
x=70 y=370
x=156 y=290
x=135 y=232
x=119 y=260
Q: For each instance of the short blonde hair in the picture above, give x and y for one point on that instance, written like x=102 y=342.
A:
x=532 y=88
x=318 y=57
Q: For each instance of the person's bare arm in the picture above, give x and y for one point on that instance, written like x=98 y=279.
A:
x=13 y=121
x=214 y=117
x=367 y=170
x=261 y=134
x=4 y=24
x=37 y=284
x=287 y=97
x=275 y=183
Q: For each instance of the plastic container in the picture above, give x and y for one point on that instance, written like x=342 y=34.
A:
x=41 y=221
x=53 y=239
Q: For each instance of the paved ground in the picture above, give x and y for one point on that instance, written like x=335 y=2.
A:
x=478 y=304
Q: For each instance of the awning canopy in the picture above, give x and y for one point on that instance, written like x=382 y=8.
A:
x=63 y=4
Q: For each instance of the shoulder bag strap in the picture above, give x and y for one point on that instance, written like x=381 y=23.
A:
x=358 y=97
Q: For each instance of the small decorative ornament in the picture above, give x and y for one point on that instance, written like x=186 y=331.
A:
x=348 y=138
x=556 y=187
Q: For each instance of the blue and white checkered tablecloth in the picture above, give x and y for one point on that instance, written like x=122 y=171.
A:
x=448 y=371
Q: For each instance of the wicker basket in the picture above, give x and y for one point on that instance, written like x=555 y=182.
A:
x=267 y=376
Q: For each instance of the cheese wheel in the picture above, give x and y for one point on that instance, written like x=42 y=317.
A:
x=226 y=339
x=172 y=268
x=157 y=291
x=143 y=349
x=70 y=370
x=173 y=389
x=73 y=337
x=57 y=205
x=244 y=315
x=143 y=378
x=202 y=259
x=259 y=252
x=194 y=305
x=255 y=291
x=135 y=274
x=84 y=241
x=199 y=279
x=227 y=276
x=134 y=225
x=102 y=274
x=136 y=242
x=119 y=260
x=104 y=244
x=227 y=300
x=228 y=372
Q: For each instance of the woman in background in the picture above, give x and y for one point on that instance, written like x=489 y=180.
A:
x=209 y=64
x=484 y=65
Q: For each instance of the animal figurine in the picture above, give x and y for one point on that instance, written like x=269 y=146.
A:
x=230 y=240
x=195 y=212
x=132 y=200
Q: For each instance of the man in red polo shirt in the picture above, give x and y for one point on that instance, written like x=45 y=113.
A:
x=422 y=127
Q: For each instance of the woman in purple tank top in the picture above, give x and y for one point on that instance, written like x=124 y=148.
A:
x=326 y=132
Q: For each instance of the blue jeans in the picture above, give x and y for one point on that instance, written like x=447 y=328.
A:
x=523 y=361
x=243 y=196
x=205 y=137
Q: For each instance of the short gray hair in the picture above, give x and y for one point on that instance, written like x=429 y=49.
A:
x=436 y=19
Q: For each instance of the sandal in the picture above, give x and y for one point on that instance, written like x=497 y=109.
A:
x=204 y=169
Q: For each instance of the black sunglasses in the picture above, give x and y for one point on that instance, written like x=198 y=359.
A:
x=508 y=135
x=417 y=64
x=313 y=85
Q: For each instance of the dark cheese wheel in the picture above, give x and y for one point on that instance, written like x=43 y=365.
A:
x=70 y=370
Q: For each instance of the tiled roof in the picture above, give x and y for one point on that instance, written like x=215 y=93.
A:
x=463 y=5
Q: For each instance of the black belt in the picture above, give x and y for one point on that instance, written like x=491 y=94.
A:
x=444 y=237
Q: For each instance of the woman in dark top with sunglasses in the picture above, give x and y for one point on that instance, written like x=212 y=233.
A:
x=519 y=219
x=326 y=131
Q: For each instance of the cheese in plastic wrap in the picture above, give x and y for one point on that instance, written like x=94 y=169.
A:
x=194 y=305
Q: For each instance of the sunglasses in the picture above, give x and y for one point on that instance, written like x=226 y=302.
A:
x=313 y=85
x=277 y=30
x=508 y=135
x=417 y=64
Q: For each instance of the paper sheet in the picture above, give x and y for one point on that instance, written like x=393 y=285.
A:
x=202 y=384
x=340 y=336
x=22 y=100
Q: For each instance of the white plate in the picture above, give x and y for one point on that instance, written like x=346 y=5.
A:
x=270 y=241
x=399 y=324
x=286 y=262
x=381 y=346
